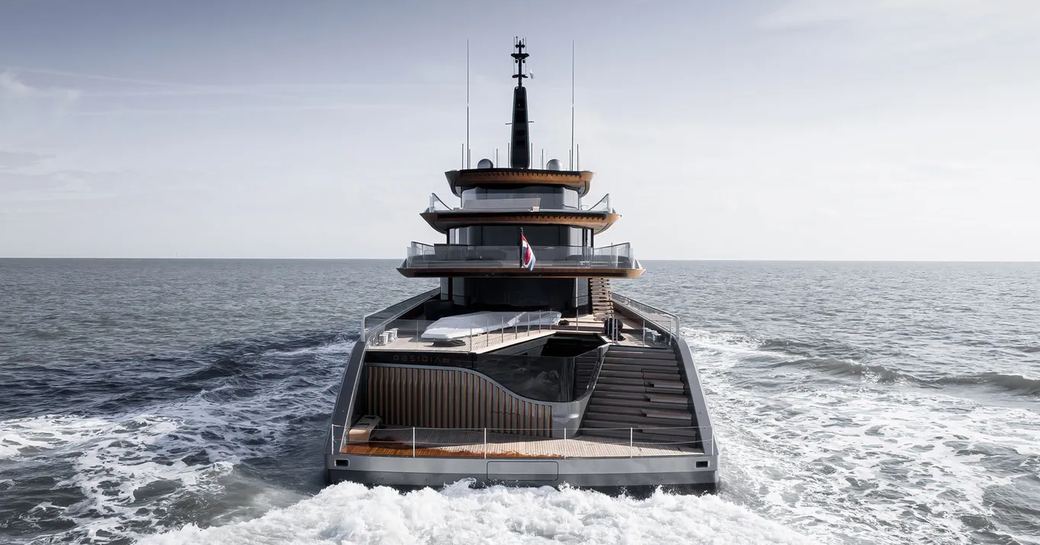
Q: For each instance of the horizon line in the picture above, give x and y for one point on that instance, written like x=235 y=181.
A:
x=752 y=260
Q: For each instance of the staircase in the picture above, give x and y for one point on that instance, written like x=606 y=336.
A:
x=602 y=305
x=641 y=388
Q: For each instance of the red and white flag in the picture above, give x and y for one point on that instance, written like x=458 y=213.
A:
x=526 y=254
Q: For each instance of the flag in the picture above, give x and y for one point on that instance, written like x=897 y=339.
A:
x=526 y=253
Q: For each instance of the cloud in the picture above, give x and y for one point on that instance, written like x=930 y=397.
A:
x=29 y=111
x=14 y=160
x=910 y=24
x=804 y=13
x=13 y=88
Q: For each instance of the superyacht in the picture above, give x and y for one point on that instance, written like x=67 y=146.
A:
x=523 y=366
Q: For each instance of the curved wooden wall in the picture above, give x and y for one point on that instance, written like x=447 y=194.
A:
x=450 y=397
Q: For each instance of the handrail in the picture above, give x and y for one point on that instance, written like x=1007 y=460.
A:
x=512 y=429
x=497 y=205
x=605 y=201
x=374 y=323
x=615 y=256
x=662 y=319
x=702 y=436
x=434 y=199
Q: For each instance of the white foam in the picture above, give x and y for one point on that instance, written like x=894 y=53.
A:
x=352 y=513
x=113 y=460
x=862 y=462
x=26 y=436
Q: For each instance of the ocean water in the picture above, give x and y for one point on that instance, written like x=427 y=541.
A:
x=186 y=402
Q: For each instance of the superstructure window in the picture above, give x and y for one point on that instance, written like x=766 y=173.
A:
x=509 y=235
x=520 y=198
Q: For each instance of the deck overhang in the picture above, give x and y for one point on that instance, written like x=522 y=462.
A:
x=463 y=270
x=443 y=220
x=486 y=177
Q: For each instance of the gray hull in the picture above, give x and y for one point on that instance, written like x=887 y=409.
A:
x=689 y=469
x=676 y=471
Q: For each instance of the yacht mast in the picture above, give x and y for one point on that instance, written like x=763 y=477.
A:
x=520 y=150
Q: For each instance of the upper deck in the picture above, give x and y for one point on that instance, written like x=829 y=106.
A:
x=460 y=180
x=520 y=209
x=442 y=260
x=407 y=335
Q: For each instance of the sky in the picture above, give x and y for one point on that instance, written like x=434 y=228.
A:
x=784 y=129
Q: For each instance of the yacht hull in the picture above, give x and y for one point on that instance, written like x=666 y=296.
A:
x=609 y=473
x=687 y=471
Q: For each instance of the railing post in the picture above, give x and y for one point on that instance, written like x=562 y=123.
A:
x=471 y=339
x=413 y=441
x=564 y=442
x=332 y=439
x=485 y=443
x=630 y=442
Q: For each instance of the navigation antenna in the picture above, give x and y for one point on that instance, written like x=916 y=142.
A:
x=521 y=148
x=571 y=166
x=468 y=152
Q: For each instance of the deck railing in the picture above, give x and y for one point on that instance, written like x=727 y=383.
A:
x=375 y=323
x=516 y=201
x=602 y=205
x=437 y=205
x=660 y=319
x=424 y=442
x=617 y=256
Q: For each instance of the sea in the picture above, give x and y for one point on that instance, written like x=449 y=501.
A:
x=187 y=401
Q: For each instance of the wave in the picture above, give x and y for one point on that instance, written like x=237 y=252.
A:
x=789 y=353
x=172 y=441
x=845 y=367
x=1016 y=384
x=352 y=513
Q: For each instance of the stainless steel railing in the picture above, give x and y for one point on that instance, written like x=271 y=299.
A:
x=516 y=201
x=660 y=319
x=602 y=205
x=375 y=323
x=416 y=442
x=435 y=201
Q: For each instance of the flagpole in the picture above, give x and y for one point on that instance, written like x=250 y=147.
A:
x=521 y=244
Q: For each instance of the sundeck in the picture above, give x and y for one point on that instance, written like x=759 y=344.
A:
x=523 y=366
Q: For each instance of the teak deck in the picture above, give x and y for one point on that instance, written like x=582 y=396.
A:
x=466 y=444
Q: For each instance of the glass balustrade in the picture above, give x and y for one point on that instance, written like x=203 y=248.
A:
x=618 y=256
x=518 y=201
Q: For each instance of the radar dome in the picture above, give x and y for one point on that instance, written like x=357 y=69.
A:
x=553 y=164
x=485 y=163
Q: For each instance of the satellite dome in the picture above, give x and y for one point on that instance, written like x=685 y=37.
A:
x=485 y=163
x=553 y=164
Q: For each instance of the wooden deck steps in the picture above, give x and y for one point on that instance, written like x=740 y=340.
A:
x=602 y=304
x=643 y=389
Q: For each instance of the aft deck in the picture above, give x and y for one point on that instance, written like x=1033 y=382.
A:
x=443 y=443
x=409 y=335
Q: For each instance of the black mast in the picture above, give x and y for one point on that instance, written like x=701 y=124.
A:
x=520 y=154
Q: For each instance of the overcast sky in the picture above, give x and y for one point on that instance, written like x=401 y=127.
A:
x=902 y=129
